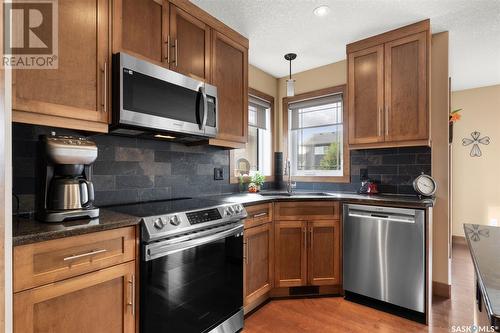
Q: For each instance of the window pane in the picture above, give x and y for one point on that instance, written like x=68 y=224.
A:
x=317 y=151
x=320 y=115
x=257 y=156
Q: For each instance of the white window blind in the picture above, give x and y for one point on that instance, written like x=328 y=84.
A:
x=257 y=112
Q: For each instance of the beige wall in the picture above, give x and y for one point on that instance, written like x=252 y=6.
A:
x=476 y=193
x=317 y=78
x=441 y=256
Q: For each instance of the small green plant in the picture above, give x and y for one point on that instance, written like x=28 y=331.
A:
x=258 y=179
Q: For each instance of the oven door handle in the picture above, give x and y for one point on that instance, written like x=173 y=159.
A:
x=157 y=250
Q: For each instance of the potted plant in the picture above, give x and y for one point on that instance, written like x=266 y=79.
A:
x=257 y=180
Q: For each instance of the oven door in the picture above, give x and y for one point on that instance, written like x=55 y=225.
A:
x=194 y=285
x=152 y=97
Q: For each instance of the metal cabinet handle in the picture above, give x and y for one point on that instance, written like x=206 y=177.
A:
x=105 y=84
x=260 y=215
x=176 y=46
x=132 y=294
x=91 y=253
x=167 y=52
x=245 y=261
x=304 y=230
x=380 y=115
x=387 y=109
x=311 y=237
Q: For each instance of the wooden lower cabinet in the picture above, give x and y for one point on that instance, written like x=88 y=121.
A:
x=102 y=301
x=323 y=253
x=307 y=253
x=259 y=264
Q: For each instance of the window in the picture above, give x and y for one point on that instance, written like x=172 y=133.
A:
x=258 y=153
x=316 y=134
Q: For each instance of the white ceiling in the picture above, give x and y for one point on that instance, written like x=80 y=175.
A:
x=276 y=27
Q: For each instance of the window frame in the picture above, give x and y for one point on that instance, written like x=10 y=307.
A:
x=270 y=100
x=340 y=89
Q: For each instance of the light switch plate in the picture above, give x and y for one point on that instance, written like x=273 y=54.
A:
x=218 y=174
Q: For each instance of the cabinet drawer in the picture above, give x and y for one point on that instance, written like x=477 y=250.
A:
x=307 y=210
x=258 y=214
x=46 y=262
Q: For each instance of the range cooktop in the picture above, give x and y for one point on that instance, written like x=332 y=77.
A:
x=161 y=219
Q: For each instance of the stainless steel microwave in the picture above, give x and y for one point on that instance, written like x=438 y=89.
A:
x=148 y=97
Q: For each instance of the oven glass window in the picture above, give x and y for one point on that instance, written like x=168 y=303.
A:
x=193 y=290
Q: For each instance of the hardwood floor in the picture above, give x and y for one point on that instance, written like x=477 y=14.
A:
x=334 y=314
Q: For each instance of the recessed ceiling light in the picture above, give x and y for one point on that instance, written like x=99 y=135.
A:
x=321 y=11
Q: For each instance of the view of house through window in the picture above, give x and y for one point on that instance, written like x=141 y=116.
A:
x=257 y=156
x=316 y=136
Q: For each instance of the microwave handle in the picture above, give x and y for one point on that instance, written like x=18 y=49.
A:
x=205 y=107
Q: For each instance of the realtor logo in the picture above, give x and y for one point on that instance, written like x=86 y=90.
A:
x=30 y=34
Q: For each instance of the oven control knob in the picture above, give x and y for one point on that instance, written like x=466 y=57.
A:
x=237 y=209
x=158 y=223
x=174 y=220
x=230 y=210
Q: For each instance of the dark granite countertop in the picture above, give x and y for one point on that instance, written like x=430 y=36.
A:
x=26 y=230
x=395 y=200
x=484 y=246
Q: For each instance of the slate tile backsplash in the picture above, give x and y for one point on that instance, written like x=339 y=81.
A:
x=128 y=169
x=131 y=170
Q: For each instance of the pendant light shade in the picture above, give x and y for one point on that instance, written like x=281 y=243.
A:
x=290 y=83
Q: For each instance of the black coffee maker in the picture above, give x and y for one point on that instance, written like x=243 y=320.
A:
x=65 y=189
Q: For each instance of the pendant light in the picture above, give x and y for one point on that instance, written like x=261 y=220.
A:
x=290 y=83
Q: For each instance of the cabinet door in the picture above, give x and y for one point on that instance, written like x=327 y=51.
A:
x=230 y=75
x=190 y=47
x=79 y=87
x=102 y=301
x=141 y=28
x=290 y=253
x=259 y=266
x=406 y=100
x=324 y=252
x=366 y=95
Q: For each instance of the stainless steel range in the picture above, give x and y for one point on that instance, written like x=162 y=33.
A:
x=191 y=265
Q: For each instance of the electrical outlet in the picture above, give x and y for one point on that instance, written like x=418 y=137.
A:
x=363 y=174
x=218 y=174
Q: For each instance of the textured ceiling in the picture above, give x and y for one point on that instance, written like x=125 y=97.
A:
x=276 y=27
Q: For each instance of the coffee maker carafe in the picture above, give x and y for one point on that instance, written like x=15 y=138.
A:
x=66 y=190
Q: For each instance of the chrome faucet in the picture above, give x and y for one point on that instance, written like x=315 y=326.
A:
x=288 y=172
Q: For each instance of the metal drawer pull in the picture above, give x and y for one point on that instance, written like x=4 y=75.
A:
x=105 y=97
x=132 y=294
x=260 y=215
x=91 y=253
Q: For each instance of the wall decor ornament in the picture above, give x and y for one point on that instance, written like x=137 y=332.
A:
x=475 y=142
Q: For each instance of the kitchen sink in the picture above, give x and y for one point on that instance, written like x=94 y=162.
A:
x=294 y=194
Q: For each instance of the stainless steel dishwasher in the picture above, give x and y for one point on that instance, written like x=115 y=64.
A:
x=384 y=254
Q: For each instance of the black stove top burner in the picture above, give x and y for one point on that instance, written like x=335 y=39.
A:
x=153 y=208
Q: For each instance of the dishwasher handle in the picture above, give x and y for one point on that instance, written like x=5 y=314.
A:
x=382 y=217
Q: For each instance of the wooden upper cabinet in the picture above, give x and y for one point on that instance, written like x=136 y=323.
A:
x=140 y=27
x=388 y=88
x=77 y=93
x=190 y=45
x=406 y=97
x=230 y=76
x=102 y=301
x=290 y=253
x=324 y=253
x=366 y=95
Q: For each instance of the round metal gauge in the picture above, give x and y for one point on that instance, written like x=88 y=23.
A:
x=425 y=185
